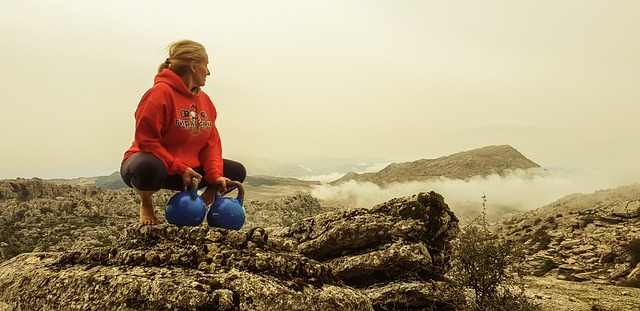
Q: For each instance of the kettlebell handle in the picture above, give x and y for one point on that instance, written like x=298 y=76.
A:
x=194 y=186
x=238 y=186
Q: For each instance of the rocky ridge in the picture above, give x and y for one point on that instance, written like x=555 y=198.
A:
x=581 y=237
x=391 y=256
x=477 y=162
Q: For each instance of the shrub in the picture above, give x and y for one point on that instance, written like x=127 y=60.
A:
x=490 y=267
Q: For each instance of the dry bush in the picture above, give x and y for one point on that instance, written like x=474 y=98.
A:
x=489 y=268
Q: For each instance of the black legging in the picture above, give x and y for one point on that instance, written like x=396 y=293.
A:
x=146 y=172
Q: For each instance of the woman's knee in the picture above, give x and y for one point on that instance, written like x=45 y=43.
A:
x=144 y=171
x=234 y=170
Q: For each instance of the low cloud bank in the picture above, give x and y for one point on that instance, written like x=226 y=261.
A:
x=518 y=191
x=362 y=167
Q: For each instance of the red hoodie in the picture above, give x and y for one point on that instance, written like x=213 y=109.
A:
x=178 y=127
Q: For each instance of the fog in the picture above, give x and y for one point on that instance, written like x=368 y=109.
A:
x=396 y=80
x=517 y=191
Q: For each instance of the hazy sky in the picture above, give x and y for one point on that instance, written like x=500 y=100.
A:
x=400 y=80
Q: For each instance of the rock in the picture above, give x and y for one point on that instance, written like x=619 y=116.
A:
x=635 y=273
x=83 y=287
x=581 y=277
x=628 y=210
x=281 y=212
x=607 y=257
x=570 y=244
x=398 y=224
x=392 y=255
x=620 y=270
x=586 y=234
x=388 y=262
x=582 y=249
x=406 y=296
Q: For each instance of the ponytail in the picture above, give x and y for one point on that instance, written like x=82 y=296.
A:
x=164 y=65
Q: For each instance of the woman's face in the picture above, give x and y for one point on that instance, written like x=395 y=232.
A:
x=201 y=72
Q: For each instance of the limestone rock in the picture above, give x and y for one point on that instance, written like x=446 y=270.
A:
x=401 y=234
x=392 y=255
x=580 y=237
x=281 y=212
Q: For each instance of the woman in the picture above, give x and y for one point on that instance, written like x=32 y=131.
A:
x=176 y=138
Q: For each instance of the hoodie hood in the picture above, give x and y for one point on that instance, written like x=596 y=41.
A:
x=169 y=77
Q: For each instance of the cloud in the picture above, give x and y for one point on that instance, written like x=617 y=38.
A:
x=518 y=191
x=501 y=126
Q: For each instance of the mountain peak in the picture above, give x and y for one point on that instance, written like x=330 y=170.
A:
x=495 y=159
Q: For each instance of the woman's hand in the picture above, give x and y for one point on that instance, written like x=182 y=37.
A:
x=221 y=185
x=188 y=176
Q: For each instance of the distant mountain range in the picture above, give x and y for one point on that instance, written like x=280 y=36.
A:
x=113 y=181
x=477 y=162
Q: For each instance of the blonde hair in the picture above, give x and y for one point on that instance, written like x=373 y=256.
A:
x=181 y=54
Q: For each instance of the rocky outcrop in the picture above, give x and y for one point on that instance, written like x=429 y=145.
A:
x=42 y=216
x=281 y=212
x=38 y=215
x=388 y=241
x=582 y=237
x=389 y=257
x=28 y=189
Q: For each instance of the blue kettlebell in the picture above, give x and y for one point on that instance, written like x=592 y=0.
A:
x=227 y=213
x=186 y=208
